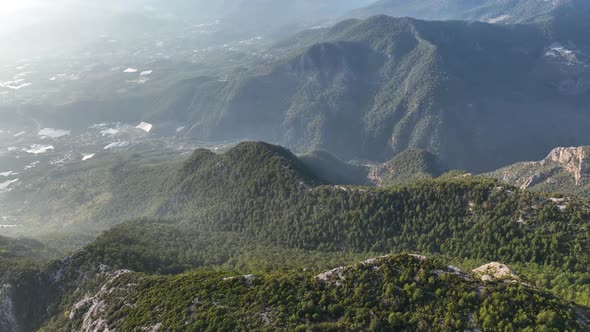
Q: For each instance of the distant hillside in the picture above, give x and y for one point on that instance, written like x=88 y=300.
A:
x=422 y=9
x=408 y=166
x=368 y=90
x=564 y=170
x=478 y=96
x=335 y=171
x=496 y=11
x=115 y=187
x=405 y=168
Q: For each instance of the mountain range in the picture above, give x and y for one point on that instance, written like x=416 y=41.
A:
x=478 y=96
x=230 y=210
x=372 y=89
x=112 y=187
x=341 y=189
x=497 y=11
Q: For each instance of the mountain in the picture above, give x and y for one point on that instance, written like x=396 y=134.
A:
x=371 y=89
x=407 y=167
x=496 y=11
x=265 y=192
x=354 y=225
x=87 y=196
x=422 y=9
x=258 y=207
x=564 y=170
x=396 y=292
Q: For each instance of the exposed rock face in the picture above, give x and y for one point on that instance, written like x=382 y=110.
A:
x=8 y=321
x=565 y=170
x=533 y=180
x=92 y=311
x=495 y=271
x=337 y=274
x=573 y=160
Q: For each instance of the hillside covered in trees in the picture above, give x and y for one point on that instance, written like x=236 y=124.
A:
x=389 y=293
x=259 y=208
x=477 y=95
x=138 y=191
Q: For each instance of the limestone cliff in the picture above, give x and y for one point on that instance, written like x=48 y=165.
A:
x=565 y=170
x=573 y=160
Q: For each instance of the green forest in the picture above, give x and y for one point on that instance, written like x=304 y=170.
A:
x=307 y=165
x=258 y=209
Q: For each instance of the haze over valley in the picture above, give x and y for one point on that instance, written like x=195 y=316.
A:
x=304 y=165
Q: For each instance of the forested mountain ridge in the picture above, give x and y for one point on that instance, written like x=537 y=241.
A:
x=407 y=167
x=421 y=9
x=357 y=223
x=501 y=11
x=374 y=88
x=113 y=187
x=397 y=292
x=259 y=208
x=371 y=89
x=232 y=191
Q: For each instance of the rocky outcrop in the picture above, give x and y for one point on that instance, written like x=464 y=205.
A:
x=337 y=274
x=8 y=321
x=573 y=160
x=533 y=180
x=565 y=170
x=495 y=271
x=92 y=311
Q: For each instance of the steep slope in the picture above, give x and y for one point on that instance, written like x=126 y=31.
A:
x=335 y=171
x=372 y=89
x=368 y=90
x=564 y=170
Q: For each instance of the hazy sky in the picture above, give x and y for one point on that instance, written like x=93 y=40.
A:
x=11 y=5
x=16 y=13
x=38 y=26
